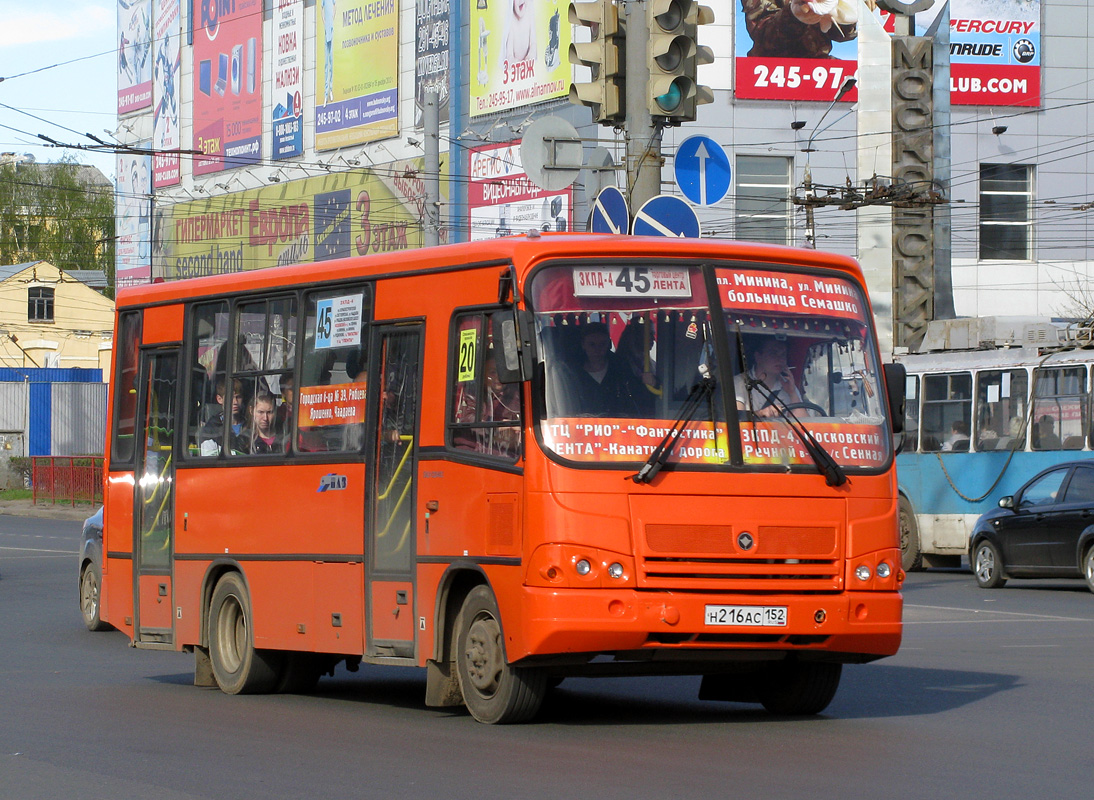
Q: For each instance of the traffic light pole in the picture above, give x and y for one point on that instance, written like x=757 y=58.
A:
x=643 y=137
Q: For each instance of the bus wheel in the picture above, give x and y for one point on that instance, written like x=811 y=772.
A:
x=493 y=690
x=237 y=666
x=89 y=598
x=1088 y=568
x=797 y=688
x=911 y=556
x=987 y=566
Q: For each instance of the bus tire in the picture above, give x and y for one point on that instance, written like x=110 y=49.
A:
x=911 y=555
x=237 y=666
x=987 y=566
x=1088 y=567
x=800 y=688
x=494 y=691
x=90 y=586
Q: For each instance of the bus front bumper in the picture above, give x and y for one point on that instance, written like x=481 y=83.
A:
x=848 y=627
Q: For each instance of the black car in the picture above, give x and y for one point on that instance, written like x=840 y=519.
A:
x=91 y=571
x=1044 y=530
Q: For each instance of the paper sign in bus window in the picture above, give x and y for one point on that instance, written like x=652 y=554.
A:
x=466 y=364
x=336 y=404
x=338 y=321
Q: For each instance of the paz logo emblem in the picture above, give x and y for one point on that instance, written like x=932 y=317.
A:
x=745 y=540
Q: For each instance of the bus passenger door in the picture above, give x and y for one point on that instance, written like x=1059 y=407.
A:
x=391 y=537
x=154 y=515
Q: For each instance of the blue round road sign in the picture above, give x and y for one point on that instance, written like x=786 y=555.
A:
x=666 y=215
x=702 y=170
x=609 y=214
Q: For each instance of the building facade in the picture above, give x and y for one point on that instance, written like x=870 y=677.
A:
x=301 y=130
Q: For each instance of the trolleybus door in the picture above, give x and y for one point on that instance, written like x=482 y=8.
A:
x=392 y=526
x=153 y=517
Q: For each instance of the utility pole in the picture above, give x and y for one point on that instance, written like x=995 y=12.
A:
x=431 y=119
x=643 y=138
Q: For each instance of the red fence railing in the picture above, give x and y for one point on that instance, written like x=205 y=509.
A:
x=67 y=479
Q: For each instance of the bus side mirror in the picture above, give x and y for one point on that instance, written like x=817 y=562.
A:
x=1006 y=502
x=895 y=377
x=514 y=333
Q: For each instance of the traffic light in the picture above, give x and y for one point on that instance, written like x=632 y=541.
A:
x=673 y=57
x=606 y=56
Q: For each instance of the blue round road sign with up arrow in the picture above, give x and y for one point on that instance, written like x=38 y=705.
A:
x=609 y=214
x=702 y=170
x=666 y=215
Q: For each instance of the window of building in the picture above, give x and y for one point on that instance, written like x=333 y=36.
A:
x=485 y=413
x=1006 y=211
x=40 y=304
x=763 y=199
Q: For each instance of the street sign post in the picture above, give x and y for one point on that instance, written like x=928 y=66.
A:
x=609 y=214
x=666 y=215
x=702 y=170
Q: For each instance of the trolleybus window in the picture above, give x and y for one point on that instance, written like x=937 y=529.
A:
x=1001 y=408
x=624 y=346
x=1059 y=408
x=947 y=411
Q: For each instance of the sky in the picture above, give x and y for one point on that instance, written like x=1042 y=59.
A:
x=36 y=39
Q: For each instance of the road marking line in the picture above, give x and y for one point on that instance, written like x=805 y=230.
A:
x=39 y=550
x=1002 y=613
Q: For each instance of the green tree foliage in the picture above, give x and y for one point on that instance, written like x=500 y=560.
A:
x=57 y=213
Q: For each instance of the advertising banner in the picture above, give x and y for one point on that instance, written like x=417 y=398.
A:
x=288 y=79
x=134 y=55
x=518 y=53
x=995 y=51
x=165 y=96
x=431 y=54
x=227 y=88
x=315 y=219
x=357 y=72
x=502 y=199
x=133 y=205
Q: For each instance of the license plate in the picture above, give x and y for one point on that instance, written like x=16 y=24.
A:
x=748 y=616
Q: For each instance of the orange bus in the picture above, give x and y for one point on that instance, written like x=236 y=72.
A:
x=510 y=462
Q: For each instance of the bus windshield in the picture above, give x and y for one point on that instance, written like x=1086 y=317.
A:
x=622 y=346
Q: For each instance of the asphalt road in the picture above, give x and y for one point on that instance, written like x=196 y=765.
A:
x=989 y=697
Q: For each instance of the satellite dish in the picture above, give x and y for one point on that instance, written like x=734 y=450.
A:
x=551 y=153
x=599 y=174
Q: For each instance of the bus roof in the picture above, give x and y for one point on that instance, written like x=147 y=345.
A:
x=526 y=249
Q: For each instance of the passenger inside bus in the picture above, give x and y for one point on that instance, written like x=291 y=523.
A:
x=602 y=384
x=1044 y=435
x=769 y=379
x=260 y=436
x=212 y=432
x=283 y=419
x=958 y=440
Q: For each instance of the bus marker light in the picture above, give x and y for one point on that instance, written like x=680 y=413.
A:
x=550 y=573
x=862 y=572
x=820 y=616
x=615 y=570
x=583 y=567
x=884 y=570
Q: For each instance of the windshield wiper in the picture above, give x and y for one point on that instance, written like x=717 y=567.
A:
x=828 y=466
x=660 y=455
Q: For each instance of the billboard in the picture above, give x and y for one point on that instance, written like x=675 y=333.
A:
x=314 y=219
x=227 y=87
x=288 y=79
x=165 y=95
x=133 y=206
x=502 y=200
x=518 y=53
x=356 y=73
x=431 y=54
x=134 y=55
x=995 y=51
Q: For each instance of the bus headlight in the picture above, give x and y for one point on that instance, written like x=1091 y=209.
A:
x=615 y=570
x=884 y=570
x=583 y=567
x=862 y=572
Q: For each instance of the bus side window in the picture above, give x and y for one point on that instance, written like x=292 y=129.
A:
x=125 y=389
x=334 y=354
x=485 y=416
x=208 y=379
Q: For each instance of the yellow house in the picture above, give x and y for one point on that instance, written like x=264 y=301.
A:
x=51 y=318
